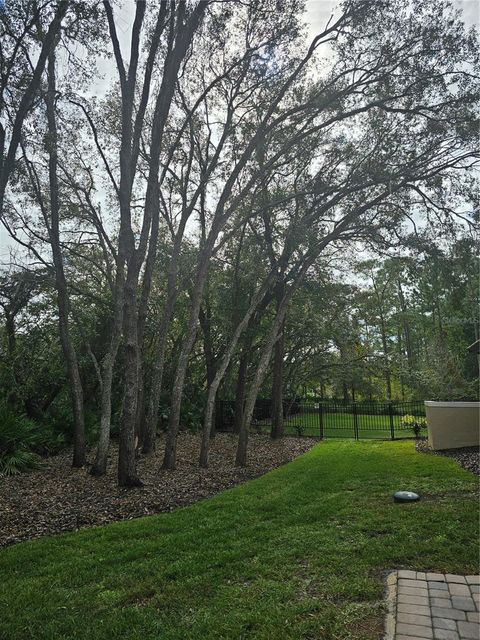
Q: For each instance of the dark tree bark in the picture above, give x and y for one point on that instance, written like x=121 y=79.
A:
x=241 y=454
x=406 y=328
x=277 y=384
x=130 y=257
x=68 y=349
x=388 y=377
x=185 y=31
x=205 y=318
x=7 y=157
x=223 y=366
x=282 y=305
x=125 y=241
x=148 y=445
x=142 y=318
x=220 y=217
x=241 y=388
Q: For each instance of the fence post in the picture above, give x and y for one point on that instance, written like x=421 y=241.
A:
x=320 y=410
x=392 y=430
x=355 y=421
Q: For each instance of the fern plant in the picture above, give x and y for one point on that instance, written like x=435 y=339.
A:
x=18 y=438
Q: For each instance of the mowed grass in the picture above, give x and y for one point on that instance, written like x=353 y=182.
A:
x=342 y=425
x=298 y=553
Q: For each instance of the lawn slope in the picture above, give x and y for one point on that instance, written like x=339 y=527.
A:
x=298 y=553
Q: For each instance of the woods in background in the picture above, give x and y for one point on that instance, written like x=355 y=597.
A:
x=239 y=213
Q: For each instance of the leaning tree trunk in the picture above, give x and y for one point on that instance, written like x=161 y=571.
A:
x=68 y=349
x=220 y=218
x=260 y=373
x=240 y=390
x=150 y=430
x=222 y=368
x=99 y=467
x=210 y=365
x=406 y=328
x=183 y=39
x=388 y=377
x=169 y=458
x=9 y=155
x=241 y=456
x=277 y=386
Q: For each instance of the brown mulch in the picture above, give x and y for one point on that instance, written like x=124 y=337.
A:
x=58 y=498
x=467 y=457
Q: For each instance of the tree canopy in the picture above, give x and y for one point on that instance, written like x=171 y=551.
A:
x=233 y=211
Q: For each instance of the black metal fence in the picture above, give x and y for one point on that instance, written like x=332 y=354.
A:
x=334 y=418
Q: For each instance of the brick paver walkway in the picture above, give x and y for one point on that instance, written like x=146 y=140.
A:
x=438 y=606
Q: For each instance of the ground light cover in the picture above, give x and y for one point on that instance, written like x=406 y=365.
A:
x=298 y=553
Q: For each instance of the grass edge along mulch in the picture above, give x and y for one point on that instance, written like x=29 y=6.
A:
x=298 y=553
x=58 y=498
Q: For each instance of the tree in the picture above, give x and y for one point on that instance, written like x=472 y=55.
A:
x=20 y=28
x=198 y=216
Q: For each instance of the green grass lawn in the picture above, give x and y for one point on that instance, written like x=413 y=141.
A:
x=341 y=425
x=298 y=553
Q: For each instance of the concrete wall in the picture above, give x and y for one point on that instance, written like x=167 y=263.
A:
x=453 y=424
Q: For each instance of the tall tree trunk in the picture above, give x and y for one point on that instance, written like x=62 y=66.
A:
x=142 y=319
x=126 y=243
x=161 y=347
x=242 y=445
x=406 y=328
x=244 y=354
x=388 y=379
x=11 y=337
x=206 y=325
x=184 y=32
x=277 y=386
x=127 y=473
x=223 y=366
x=99 y=466
x=400 y=359
x=73 y=371
x=8 y=156
x=169 y=458
x=241 y=455
x=241 y=388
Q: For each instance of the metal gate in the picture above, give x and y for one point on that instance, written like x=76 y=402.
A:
x=334 y=418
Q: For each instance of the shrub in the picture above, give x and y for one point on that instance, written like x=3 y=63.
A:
x=48 y=443
x=57 y=425
x=416 y=423
x=18 y=438
x=299 y=429
x=191 y=416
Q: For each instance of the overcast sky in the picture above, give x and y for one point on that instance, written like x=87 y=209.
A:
x=317 y=15
x=319 y=11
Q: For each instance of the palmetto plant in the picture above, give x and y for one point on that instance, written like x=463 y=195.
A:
x=18 y=437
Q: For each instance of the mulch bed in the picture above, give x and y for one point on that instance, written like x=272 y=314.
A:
x=467 y=457
x=58 y=498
